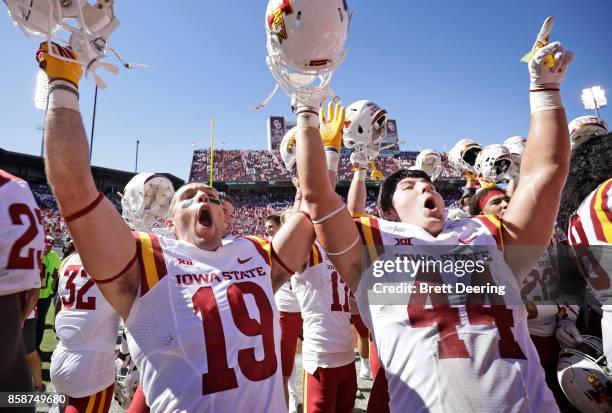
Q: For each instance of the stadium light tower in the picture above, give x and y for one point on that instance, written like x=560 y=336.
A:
x=41 y=98
x=594 y=98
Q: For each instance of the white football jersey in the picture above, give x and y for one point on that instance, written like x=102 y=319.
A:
x=83 y=362
x=286 y=300
x=539 y=286
x=204 y=330
x=591 y=225
x=22 y=236
x=324 y=300
x=452 y=357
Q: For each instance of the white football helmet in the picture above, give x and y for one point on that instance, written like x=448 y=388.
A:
x=305 y=42
x=430 y=162
x=585 y=377
x=516 y=146
x=287 y=150
x=127 y=380
x=493 y=162
x=146 y=201
x=456 y=214
x=463 y=155
x=365 y=123
x=89 y=38
x=584 y=127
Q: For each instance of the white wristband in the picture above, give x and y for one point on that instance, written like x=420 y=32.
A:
x=307 y=117
x=333 y=158
x=63 y=94
x=545 y=100
x=361 y=174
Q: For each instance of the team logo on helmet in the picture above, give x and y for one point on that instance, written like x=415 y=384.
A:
x=276 y=22
x=585 y=377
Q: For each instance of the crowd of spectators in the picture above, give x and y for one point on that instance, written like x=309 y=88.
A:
x=250 y=207
x=263 y=165
x=53 y=222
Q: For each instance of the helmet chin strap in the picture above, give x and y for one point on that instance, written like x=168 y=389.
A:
x=266 y=100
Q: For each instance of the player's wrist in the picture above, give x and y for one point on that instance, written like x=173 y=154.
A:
x=63 y=94
x=360 y=173
x=542 y=98
x=307 y=117
x=333 y=159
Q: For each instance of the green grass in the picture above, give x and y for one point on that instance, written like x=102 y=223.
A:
x=48 y=344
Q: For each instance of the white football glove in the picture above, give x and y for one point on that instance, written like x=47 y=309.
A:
x=547 y=68
x=359 y=159
x=544 y=77
x=567 y=334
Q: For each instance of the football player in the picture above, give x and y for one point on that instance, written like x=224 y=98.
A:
x=228 y=214
x=272 y=224
x=290 y=319
x=330 y=380
x=551 y=293
x=442 y=357
x=83 y=363
x=200 y=317
x=586 y=207
x=22 y=241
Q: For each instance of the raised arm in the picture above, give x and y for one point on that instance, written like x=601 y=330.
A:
x=102 y=238
x=357 y=195
x=334 y=226
x=295 y=238
x=529 y=220
x=291 y=245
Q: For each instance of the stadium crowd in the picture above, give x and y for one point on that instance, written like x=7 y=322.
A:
x=263 y=165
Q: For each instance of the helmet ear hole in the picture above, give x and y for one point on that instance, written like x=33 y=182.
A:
x=360 y=129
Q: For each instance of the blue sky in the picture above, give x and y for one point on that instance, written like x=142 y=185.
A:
x=445 y=70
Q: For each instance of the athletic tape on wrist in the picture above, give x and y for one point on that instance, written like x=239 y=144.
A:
x=333 y=158
x=63 y=94
x=360 y=173
x=544 y=99
x=307 y=117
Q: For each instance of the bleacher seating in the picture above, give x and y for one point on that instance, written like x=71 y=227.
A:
x=263 y=165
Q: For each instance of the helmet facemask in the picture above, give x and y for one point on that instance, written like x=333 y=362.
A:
x=146 y=201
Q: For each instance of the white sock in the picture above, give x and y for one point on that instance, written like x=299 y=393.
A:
x=291 y=381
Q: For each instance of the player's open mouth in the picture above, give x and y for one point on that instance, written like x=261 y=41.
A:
x=204 y=217
x=430 y=204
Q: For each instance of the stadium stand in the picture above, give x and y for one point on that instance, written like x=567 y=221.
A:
x=255 y=179
x=263 y=165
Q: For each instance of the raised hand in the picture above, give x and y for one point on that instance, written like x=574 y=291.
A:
x=331 y=126
x=57 y=69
